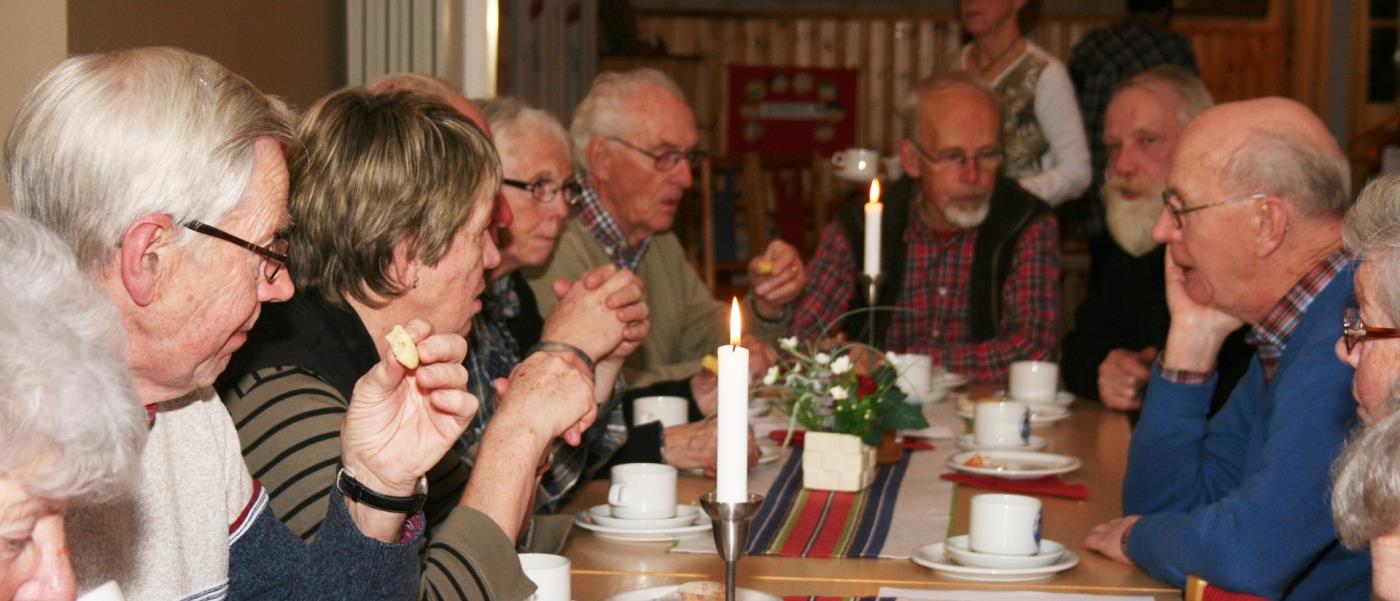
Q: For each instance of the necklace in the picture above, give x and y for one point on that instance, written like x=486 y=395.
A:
x=985 y=66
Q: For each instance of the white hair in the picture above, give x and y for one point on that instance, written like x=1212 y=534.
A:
x=1366 y=483
x=1371 y=231
x=913 y=100
x=609 y=106
x=105 y=139
x=1189 y=89
x=69 y=419
x=509 y=117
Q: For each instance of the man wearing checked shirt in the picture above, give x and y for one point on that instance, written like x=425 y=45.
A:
x=970 y=260
x=1255 y=199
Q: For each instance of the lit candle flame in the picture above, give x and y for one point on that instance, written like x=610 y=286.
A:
x=734 y=321
x=874 y=191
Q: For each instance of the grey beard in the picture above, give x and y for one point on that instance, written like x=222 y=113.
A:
x=1130 y=221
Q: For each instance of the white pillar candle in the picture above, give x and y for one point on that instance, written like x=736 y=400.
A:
x=873 y=213
x=732 y=471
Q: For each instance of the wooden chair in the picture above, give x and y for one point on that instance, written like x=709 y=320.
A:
x=1197 y=589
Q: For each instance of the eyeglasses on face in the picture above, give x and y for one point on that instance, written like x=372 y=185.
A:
x=545 y=190
x=274 y=256
x=1355 y=332
x=1179 y=208
x=986 y=158
x=665 y=160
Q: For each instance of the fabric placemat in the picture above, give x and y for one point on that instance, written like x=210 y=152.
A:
x=906 y=508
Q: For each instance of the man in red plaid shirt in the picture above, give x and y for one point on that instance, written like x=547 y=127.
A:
x=969 y=259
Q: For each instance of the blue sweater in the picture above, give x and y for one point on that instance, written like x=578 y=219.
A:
x=1242 y=500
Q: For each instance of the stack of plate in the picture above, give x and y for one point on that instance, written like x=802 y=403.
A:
x=954 y=559
x=689 y=521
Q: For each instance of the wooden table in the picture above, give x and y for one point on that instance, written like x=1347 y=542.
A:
x=1099 y=437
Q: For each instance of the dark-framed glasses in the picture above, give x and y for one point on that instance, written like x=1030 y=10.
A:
x=274 y=255
x=545 y=190
x=986 y=158
x=1179 y=208
x=665 y=160
x=1355 y=332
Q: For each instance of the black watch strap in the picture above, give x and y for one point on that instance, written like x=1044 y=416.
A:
x=359 y=493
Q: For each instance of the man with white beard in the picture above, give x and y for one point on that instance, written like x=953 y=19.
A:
x=969 y=257
x=1123 y=321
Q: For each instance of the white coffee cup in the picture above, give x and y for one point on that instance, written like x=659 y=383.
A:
x=669 y=410
x=643 y=491
x=915 y=375
x=550 y=573
x=1005 y=524
x=1002 y=423
x=857 y=164
x=893 y=168
x=1034 y=381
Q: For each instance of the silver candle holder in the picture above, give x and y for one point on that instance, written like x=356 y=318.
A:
x=731 y=520
x=871 y=285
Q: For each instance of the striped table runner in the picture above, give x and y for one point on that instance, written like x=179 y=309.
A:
x=797 y=522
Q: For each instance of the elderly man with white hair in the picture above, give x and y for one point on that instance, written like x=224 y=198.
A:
x=164 y=172
x=634 y=145
x=1122 y=323
x=1253 y=221
x=72 y=428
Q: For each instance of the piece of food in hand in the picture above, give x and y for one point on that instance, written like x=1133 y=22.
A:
x=763 y=267
x=404 y=348
x=701 y=590
x=710 y=363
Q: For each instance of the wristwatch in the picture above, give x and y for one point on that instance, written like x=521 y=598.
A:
x=359 y=493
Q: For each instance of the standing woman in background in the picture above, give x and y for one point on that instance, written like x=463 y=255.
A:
x=1042 y=131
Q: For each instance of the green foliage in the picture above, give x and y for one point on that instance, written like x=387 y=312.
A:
x=822 y=391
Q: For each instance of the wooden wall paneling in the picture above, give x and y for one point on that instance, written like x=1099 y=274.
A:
x=828 y=43
x=804 y=42
x=878 y=69
x=903 y=58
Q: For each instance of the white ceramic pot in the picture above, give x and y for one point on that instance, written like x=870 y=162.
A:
x=839 y=462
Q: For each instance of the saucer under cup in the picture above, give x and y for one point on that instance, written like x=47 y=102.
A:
x=957 y=549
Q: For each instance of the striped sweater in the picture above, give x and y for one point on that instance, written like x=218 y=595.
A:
x=288 y=391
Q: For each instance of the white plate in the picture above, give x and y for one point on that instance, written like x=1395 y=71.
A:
x=968 y=442
x=932 y=557
x=668 y=593
x=1017 y=465
x=958 y=550
x=768 y=452
x=1041 y=414
x=602 y=515
x=701 y=526
x=1063 y=398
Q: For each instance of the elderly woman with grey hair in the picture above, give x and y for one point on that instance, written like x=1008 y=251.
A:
x=70 y=422
x=1366 y=490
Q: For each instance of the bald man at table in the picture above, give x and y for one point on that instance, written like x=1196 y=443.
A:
x=1255 y=199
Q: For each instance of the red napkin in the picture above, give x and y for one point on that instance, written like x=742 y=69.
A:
x=1051 y=486
x=798 y=436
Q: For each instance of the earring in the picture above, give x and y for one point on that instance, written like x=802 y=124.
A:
x=415 y=281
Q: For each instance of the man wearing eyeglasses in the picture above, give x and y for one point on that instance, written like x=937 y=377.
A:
x=969 y=257
x=1122 y=323
x=635 y=144
x=1254 y=206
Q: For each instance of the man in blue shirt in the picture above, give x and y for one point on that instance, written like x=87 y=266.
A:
x=1255 y=200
